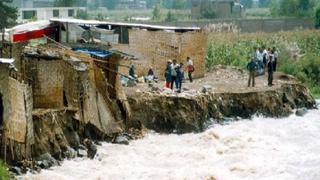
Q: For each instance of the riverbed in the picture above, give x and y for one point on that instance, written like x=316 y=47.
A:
x=260 y=148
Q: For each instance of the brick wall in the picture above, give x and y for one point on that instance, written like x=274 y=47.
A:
x=154 y=48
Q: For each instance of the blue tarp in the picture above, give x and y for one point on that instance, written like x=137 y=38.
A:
x=97 y=53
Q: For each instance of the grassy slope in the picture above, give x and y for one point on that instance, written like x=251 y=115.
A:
x=4 y=173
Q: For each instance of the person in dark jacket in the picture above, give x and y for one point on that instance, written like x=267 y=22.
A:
x=180 y=77
x=270 y=66
x=252 y=66
x=167 y=74
x=132 y=71
x=275 y=59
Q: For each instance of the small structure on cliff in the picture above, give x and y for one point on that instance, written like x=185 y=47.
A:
x=151 y=45
x=55 y=98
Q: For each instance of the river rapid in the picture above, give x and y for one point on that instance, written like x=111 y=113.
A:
x=257 y=149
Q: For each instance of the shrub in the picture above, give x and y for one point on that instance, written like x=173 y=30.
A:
x=4 y=173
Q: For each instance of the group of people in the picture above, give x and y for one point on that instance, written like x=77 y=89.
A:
x=262 y=60
x=174 y=73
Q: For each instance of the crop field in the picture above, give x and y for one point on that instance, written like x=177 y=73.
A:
x=299 y=52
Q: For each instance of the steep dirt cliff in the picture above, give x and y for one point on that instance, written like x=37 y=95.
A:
x=226 y=97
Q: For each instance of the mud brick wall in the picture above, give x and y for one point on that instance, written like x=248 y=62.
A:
x=72 y=84
x=157 y=47
x=4 y=75
x=17 y=121
x=47 y=82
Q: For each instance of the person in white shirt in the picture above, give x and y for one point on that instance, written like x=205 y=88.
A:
x=190 y=68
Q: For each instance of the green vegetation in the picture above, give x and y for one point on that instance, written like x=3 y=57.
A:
x=171 y=17
x=317 y=18
x=156 y=13
x=82 y=14
x=258 y=13
x=4 y=173
x=293 y=8
x=8 y=14
x=299 y=52
x=206 y=10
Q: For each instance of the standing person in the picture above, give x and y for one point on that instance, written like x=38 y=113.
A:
x=132 y=71
x=180 y=77
x=270 y=68
x=174 y=67
x=190 y=68
x=252 y=66
x=254 y=53
x=167 y=74
x=275 y=61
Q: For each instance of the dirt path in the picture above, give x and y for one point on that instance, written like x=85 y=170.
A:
x=222 y=79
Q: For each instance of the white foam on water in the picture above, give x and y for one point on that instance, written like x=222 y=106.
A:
x=262 y=148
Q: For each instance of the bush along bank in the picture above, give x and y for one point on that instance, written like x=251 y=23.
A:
x=4 y=173
x=299 y=52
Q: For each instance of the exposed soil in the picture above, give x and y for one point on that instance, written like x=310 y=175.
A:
x=228 y=96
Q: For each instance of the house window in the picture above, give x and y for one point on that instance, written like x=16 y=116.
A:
x=29 y=14
x=55 y=13
x=70 y=12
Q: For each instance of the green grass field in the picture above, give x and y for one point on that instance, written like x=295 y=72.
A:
x=299 y=52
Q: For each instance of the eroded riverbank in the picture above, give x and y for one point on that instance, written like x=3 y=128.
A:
x=222 y=94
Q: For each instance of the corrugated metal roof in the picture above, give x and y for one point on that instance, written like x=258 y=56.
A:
x=6 y=61
x=134 y=25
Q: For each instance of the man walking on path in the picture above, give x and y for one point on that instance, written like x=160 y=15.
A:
x=190 y=68
x=252 y=66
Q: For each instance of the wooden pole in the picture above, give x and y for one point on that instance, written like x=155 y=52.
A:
x=2 y=42
x=67 y=35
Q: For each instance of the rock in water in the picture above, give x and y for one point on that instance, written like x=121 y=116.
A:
x=121 y=139
x=70 y=153
x=82 y=153
x=16 y=170
x=46 y=161
x=301 y=112
x=92 y=148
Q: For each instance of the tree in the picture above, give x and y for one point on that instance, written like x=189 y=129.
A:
x=8 y=14
x=156 y=14
x=247 y=3
x=206 y=10
x=179 y=4
x=317 y=17
x=110 y=4
x=171 y=17
x=82 y=14
x=292 y=8
x=64 y=3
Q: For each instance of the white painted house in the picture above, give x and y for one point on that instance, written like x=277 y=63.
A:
x=47 y=13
